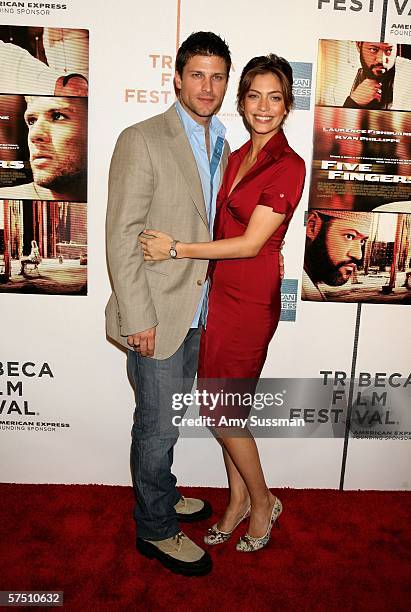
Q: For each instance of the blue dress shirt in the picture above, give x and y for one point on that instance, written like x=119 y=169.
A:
x=209 y=170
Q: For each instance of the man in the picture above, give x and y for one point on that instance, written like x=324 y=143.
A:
x=165 y=173
x=57 y=140
x=334 y=248
x=21 y=73
x=383 y=81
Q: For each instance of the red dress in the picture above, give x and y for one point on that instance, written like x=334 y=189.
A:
x=244 y=299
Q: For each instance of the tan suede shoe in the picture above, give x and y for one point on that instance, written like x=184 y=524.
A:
x=190 y=509
x=179 y=554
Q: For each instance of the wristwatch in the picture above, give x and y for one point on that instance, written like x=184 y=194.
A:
x=173 y=250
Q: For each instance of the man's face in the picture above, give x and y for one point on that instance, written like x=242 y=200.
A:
x=377 y=58
x=336 y=251
x=57 y=139
x=202 y=86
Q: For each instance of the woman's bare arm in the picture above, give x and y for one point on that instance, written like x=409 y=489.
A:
x=263 y=223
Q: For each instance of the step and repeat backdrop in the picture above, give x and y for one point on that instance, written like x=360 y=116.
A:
x=72 y=76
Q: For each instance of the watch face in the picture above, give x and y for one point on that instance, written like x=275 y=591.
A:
x=173 y=253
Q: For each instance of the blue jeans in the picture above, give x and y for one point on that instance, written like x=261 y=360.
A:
x=154 y=436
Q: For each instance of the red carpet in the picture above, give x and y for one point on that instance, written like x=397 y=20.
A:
x=334 y=551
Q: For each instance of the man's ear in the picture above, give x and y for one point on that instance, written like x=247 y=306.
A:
x=177 y=82
x=314 y=224
x=358 y=45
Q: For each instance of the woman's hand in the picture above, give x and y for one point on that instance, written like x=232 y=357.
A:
x=157 y=247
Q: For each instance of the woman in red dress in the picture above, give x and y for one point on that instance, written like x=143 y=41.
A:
x=261 y=188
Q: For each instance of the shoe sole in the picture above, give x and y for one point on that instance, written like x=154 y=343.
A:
x=196 y=568
x=201 y=515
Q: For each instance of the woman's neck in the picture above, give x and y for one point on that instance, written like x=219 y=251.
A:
x=258 y=141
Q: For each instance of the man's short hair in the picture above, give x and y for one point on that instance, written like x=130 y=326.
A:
x=202 y=43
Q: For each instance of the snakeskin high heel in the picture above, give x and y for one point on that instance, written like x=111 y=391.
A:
x=216 y=536
x=249 y=544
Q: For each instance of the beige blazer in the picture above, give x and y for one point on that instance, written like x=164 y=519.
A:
x=154 y=183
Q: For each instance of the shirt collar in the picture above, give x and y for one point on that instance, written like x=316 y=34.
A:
x=274 y=147
x=190 y=126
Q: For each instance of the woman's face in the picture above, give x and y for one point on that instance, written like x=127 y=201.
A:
x=264 y=107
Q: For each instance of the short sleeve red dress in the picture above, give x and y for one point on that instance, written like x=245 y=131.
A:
x=244 y=299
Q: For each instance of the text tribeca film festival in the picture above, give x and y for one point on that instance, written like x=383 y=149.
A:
x=16 y=411
x=311 y=407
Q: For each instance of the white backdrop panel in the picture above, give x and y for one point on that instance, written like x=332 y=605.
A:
x=89 y=390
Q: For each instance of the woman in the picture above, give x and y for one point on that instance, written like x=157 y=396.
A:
x=261 y=188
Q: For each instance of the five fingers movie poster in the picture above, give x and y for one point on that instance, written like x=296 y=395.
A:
x=358 y=239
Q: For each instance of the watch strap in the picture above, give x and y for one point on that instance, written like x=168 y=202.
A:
x=173 y=249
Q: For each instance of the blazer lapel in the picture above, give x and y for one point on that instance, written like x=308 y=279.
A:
x=224 y=158
x=224 y=162
x=184 y=157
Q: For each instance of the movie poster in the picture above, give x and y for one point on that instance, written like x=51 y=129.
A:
x=43 y=61
x=43 y=141
x=357 y=257
x=362 y=127
x=44 y=246
x=358 y=245
x=43 y=160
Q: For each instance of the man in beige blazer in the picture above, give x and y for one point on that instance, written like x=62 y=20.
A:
x=165 y=173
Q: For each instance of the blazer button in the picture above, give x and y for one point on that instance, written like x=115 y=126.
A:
x=199 y=282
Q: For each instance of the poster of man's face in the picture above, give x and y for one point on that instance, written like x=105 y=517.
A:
x=43 y=159
x=57 y=139
x=357 y=257
x=44 y=141
x=377 y=59
x=43 y=113
x=364 y=74
x=335 y=247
